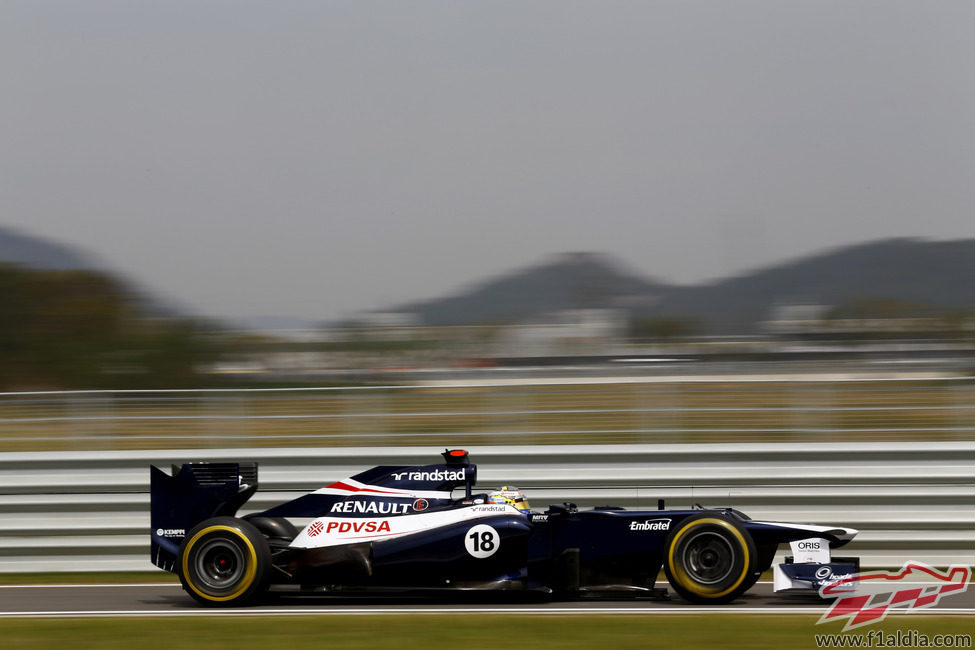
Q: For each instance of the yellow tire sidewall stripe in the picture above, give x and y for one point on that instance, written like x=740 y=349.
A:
x=249 y=575
x=678 y=570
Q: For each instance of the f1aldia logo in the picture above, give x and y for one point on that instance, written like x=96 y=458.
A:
x=866 y=598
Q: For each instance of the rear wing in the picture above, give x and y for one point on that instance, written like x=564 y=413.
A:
x=195 y=492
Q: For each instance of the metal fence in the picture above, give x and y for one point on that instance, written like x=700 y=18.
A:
x=89 y=511
x=893 y=457
x=591 y=411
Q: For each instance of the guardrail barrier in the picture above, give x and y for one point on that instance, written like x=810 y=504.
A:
x=89 y=510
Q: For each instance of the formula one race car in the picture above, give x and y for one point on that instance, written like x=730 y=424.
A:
x=403 y=528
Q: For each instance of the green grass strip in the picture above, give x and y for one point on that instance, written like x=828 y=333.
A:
x=467 y=631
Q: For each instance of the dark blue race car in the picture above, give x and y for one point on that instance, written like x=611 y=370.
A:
x=425 y=527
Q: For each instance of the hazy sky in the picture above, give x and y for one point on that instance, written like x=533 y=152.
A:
x=314 y=158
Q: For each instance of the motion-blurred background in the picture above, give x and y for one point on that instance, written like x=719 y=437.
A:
x=380 y=225
x=868 y=342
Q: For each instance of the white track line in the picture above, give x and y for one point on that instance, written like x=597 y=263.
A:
x=176 y=584
x=360 y=611
x=559 y=611
x=466 y=610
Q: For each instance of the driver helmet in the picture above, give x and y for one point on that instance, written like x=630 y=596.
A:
x=512 y=496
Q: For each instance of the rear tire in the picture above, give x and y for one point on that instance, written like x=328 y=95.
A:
x=710 y=559
x=277 y=528
x=224 y=562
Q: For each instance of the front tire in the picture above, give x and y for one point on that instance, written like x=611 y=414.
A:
x=709 y=559
x=224 y=562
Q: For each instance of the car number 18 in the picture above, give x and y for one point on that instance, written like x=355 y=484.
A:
x=482 y=541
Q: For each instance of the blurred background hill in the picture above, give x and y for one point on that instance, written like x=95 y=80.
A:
x=69 y=323
x=883 y=279
x=39 y=253
x=907 y=277
x=569 y=281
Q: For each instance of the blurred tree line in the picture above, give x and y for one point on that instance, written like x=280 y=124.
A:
x=82 y=329
x=660 y=329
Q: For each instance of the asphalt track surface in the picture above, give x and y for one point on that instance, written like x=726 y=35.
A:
x=170 y=600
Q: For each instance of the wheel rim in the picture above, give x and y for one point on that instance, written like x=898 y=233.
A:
x=219 y=564
x=708 y=558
